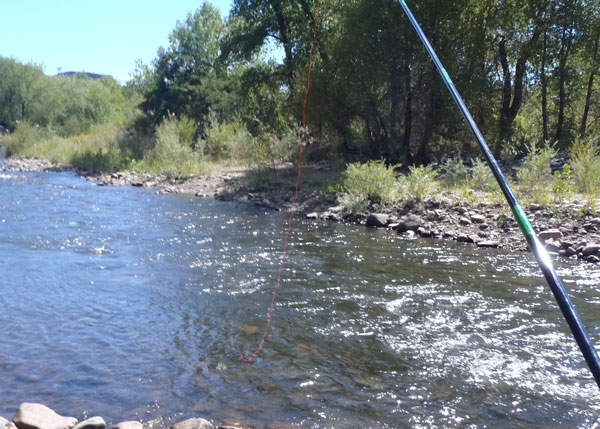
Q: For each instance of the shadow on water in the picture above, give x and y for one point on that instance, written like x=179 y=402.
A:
x=127 y=304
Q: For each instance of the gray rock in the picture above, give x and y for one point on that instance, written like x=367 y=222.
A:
x=96 y=422
x=3 y=422
x=377 y=219
x=464 y=221
x=408 y=224
x=409 y=234
x=553 y=234
x=534 y=206
x=553 y=246
x=424 y=232
x=474 y=238
x=38 y=416
x=196 y=423
x=483 y=226
x=590 y=249
x=130 y=424
x=477 y=218
x=595 y=221
x=571 y=251
x=488 y=243
x=593 y=258
x=462 y=238
x=313 y=215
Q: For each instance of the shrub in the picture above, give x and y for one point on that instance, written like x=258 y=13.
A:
x=419 y=183
x=535 y=175
x=482 y=177
x=562 y=186
x=585 y=165
x=369 y=184
x=171 y=155
x=24 y=137
x=455 y=172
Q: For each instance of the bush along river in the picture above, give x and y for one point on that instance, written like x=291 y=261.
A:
x=123 y=303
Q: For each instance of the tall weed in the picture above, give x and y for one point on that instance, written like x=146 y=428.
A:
x=585 y=166
x=372 y=184
x=535 y=175
x=419 y=183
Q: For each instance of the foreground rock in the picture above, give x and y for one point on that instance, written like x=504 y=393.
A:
x=38 y=416
x=91 y=423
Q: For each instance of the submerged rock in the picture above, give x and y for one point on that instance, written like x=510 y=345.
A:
x=130 y=424
x=195 y=423
x=38 y=416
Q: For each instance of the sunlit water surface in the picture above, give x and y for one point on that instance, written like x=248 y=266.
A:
x=119 y=302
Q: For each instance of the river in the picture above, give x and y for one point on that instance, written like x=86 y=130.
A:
x=119 y=302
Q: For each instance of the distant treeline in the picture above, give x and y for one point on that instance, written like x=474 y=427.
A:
x=526 y=68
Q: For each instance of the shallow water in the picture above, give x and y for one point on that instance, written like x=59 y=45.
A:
x=131 y=305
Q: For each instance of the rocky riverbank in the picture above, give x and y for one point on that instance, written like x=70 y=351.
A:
x=37 y=416
x=570 y=229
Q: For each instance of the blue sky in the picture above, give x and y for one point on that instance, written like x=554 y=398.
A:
x=105 y=36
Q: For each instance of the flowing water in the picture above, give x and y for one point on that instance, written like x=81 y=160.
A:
x=119 y=302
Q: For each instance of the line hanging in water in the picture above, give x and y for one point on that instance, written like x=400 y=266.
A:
x=248 y=358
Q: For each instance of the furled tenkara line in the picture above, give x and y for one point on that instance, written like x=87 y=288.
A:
x=248 y=358
x=541 y=255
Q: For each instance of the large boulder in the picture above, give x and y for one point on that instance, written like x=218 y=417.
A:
x=38 y=416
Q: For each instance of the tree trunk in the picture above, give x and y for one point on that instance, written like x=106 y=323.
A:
x=565 y=49
x=285 y=40
x=306 y=9
x=590 y=87
x=512 y=89
x=544 y=82
x=408 y=114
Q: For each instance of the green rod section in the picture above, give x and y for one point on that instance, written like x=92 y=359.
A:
x=543 y=259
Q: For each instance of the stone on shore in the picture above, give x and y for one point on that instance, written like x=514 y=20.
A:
x=488 y=243
x=96 y=422
x=195 y=423
x=553 y=234
x=129 y=424
x=591 y=249
x=477 y=218
x=377 y=219
x=38 y=416
x=3 y=422
x=409 y=223
x=313 y=215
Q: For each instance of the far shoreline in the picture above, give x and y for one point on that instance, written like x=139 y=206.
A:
x=569 y=230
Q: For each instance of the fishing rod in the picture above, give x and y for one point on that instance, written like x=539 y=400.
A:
x=541 y=255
